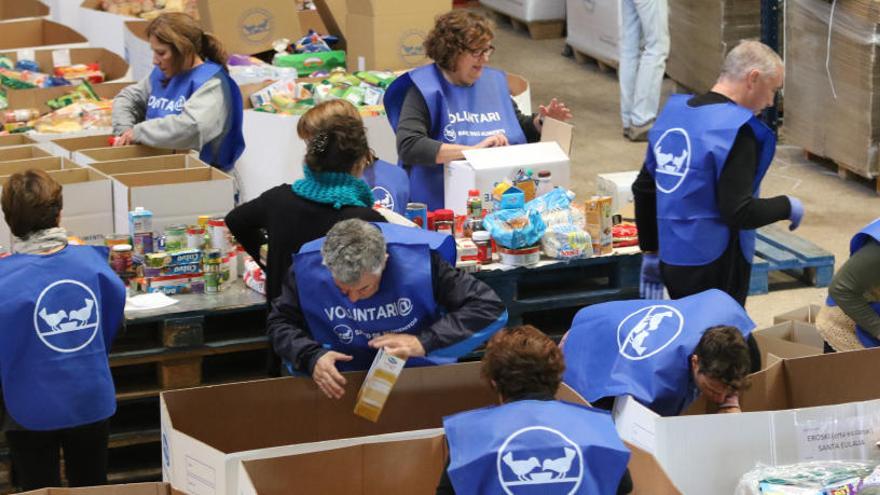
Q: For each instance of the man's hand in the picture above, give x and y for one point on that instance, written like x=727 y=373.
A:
x=328 y=378
x=555 y=110
x=493 y=141
x=125 y=138
x=402 y=345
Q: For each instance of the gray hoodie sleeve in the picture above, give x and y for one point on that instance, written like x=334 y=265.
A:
x=130 y=106
x=201 y=121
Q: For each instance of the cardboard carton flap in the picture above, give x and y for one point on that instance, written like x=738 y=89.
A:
x=15 y=140
x=34 y=33
x=103 y=154
x=167 y=177
x=37 y=98
x=76 y=175
x=21 y=153
x=521 y=155
x=148 y=164
x=22 y=8
x=83 y=142
x=130 y=489
x=396 y=7
x=46 y=163
x=113 y=66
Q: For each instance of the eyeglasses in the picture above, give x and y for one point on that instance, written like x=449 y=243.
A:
x=486 y=52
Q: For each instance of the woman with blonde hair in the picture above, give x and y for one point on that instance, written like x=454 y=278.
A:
x=188 y=101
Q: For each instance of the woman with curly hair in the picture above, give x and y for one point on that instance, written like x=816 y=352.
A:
x=455 y=104
x=531 y=438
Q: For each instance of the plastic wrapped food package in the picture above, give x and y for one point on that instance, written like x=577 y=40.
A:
x=567 y=242
x=808 y=478
x=516 y=228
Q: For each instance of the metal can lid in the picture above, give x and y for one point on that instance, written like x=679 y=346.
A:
x=480 y=235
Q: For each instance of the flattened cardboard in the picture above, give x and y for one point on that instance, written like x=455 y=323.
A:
x=790 y=339
x=103 y=29
x=130 y=489
x=174 y=196
x=389 y=34
x=109 y=153
x=808 y=408
x=66 y=146
x=19 y=9
x=37 y=98
x=15 y=140
x=39 y=33
x=22 y=153
x=115 y=68
x=250 y=27
x=149 y=164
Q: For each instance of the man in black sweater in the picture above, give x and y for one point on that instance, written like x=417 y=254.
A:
x=696 y=197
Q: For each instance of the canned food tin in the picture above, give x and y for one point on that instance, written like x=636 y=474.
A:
x=111 y=240
x=175 y=237
x=120 y=259
x=418 y=213
x=220 y=236
x=195 y=237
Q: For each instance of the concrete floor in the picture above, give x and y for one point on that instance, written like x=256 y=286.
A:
x=835 y=209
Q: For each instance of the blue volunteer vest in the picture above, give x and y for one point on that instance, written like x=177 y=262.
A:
x=534 y=447
x=459 y=115
x=869 y=232
x=169 y=100
x=390 y=185
x=687 y=149
x=641 y=348
x=404 y=302
x=60 y=314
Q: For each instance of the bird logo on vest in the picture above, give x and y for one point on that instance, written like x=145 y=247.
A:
x=384 y=197
x=66 y=316
x=672 y=152
x=538 y=459
x=449 y=133
x=345 y=333
x=648 y=331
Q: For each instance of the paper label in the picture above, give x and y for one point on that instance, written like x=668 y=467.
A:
x=61 y=58
x=25 y=54
x=839 y=438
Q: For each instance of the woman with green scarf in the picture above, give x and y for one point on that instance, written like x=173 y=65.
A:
x=288 y=216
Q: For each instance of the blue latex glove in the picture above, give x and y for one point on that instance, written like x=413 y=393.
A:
x=797 y=212
x=651 y=283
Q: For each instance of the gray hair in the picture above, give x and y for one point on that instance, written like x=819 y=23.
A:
x=353 y=248
x=748 y=56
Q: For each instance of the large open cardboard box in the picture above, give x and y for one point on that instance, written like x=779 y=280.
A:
x=149 y=164
x=22 y=153
x=87 y=196
x=15 y=140
x=108 y=153
x=174 y=196
x=66 y=146
x=789 y=339
x=36 y=98
x=811 y=408
x=388 y=34
x=63 y=11
x=250 y=27
x=20 y=9
x=114 y=67
x=130 y=489
x=30 y=34
x=805 y=314
x=103 y=29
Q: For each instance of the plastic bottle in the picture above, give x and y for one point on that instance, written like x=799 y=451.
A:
x=474 y=204
x=545 y=183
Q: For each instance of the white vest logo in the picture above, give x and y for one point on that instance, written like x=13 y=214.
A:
x=449 y=133
x=174 y=106
x=344 y=333
x=648 y=331
x=673 y=156
x=67 y=316
x=384 y=197
x=538 y=455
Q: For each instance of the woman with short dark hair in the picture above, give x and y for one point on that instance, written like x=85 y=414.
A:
x=531 y=438
x=455 y=104
x=62 y=306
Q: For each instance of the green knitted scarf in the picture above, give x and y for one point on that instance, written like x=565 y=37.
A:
x=335 y=188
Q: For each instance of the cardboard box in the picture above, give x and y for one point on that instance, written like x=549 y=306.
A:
x=115 y=68
x=103 y=29
x=136 y=49
x=66 y=146
x=15 y=140
x=22 y=153
x=594 y=28
x=250 y=27
x=38 y=33
x=790 y=339
x=809 y=408
x=377 y=386
x=337 y=10
x=207 y=431
x=149 y=164
x=483 y=168
x=388 y=34
x=108 y=154
x=20 y=9
x=806 y=314
x=36 y=98
x=88 y=201
x=174 y=196
x=130 y=489
x=63 y=11
x=618 y=185
x=599 y=223
x=530 y=10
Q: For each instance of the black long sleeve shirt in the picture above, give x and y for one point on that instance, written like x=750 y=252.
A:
x=470 y=306
x=739 y=209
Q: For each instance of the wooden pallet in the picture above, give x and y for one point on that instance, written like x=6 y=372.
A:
x=538 y=30
x=605 y=66
x=776 y=249
x=844 y=171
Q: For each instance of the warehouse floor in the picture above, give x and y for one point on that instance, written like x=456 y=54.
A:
x=835 y=209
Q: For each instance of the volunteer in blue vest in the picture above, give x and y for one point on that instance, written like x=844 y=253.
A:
x=455 y=104
x=662 y=353
x=850 y=319
x=62 y=306
x=531 y=443
x=369 y=286
x=696 y=197
x=188 y=101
